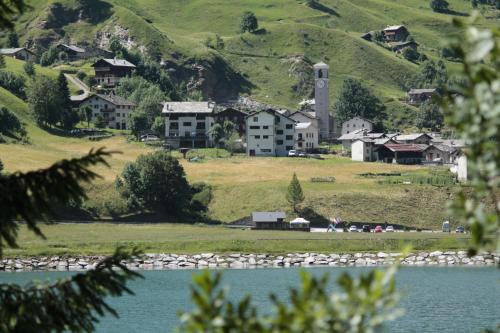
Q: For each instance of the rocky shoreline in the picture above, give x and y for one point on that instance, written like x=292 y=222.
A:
x=237 y=260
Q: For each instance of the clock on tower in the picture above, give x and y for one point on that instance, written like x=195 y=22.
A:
x=322 y=99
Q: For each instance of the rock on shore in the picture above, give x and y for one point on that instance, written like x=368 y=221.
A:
x=239 y=260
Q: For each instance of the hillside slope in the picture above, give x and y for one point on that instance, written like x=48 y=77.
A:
x=260 y=64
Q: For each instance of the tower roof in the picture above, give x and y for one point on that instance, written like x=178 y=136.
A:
x=321 y=65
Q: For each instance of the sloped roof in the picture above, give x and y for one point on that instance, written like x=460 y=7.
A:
x=73 y=48
x=116 y=62
x=310 y=115
x=411 y=137
x=406 y=147
x=443 y=148
x=302 y=125
x=115 y=99
x=299 y=220
x=14 y=50
x=359 y=134
x=394 y=27
x=358 y=117
x=267 y=216
x=321 y=64
x=188 y=107
x=272 y=111
x=422 y=91
x=231 y=109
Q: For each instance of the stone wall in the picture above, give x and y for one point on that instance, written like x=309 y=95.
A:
x=237 y=260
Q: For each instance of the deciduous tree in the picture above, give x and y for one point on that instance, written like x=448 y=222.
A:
x=249 y=22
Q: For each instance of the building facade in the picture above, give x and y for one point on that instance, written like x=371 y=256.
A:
x=269 y=133
x=19 y=53
x=188 y=124
x=109 y=72
x=115 y=110
x=419 y=96
x=395 y=33
x=74 y=52
x=306 y=131
x=237 y=117
x=355 y=124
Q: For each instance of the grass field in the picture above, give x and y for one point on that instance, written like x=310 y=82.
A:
x=102 y=238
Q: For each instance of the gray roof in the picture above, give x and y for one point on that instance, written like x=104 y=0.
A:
x=302 y=125
x=114 y=99
x=188 y=107
x=410 y=137
x=444 y=148
x=359 y=134
x=267 y=216
x=13 y=50
x=73 y=48
x=394 y=27
x=321 y=64
x=422 y=91
x=119 y=63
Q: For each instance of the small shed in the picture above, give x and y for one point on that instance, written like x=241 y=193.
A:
x=300 y=224
x=402 y=153
x=396 y=33
x=269 y=220
x=419 y=96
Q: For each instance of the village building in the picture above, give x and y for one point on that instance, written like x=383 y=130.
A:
x=395 y=33
x=357 y=123
x=419 y=96
x=349 y=138
x=416 y=138
x=441 y=153
x=399 y=47
x=462 y=168
x=269 y=133
x=19 y=53
x=269 y=220
x=306 y=131
x=402 y=153
x=115 y=110
x=188 y=124
x=73 y=52
x=237 y=117
x=109 y=72
x=367 y=149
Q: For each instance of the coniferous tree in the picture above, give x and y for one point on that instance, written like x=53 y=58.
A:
x=294 y=195
x=68 y=117
x=13 y=39
x=29 y=68
x=249 y=22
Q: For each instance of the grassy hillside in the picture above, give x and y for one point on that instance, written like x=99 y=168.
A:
x=288 y=28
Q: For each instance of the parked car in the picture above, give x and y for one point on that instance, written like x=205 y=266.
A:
x=353 y=228
x=366 y=228
x=378 y=229
x=302 y=154
x=293 y=153
x=389 y=228
x=460 y=230
x=149 y=137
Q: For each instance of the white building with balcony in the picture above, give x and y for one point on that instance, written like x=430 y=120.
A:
x=269 y=133
x=112 y=108
x=188 y=124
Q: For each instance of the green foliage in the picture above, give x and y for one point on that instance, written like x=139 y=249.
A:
x=410 y=54
x=216 y=43
x=9 y=9
x=99 y=121
x=44 y=100
x=294 y=194
x=158 y=126
x=49 y=57
x=430 y=116
x=157 y=182
x=68 y=116
x=357 y=100
x=12 y=39
x=86 y=114
x=360 y=305
x=202 y=196
x=9 y=123
x=29 y=68
x=431 y=75
x=13 y=82
x=138 y=123
x=474 y=113
x=439 y=6
x=217 y=132
x=249 y=22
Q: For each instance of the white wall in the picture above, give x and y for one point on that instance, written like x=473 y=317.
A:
x=260 y=134
x=462 y=168
x=114 y=115
x=356 y=123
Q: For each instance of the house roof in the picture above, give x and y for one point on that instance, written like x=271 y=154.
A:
x=422 y=91
x=188 y=107
x=321 y=65
x=274 y=112
x=116 y=63
x=394 y=27
x=456 y=143
x=299 y=220
x=358 y=117
x=443 y=148
x=300 y=126
x=411 y=137
x=232 y=109
x=359 y=134
x=310 y=115
x=114 y=99
x=383 y=141
x=73 y=48
x=267 y=216
x=14 y=50
x=406 y=147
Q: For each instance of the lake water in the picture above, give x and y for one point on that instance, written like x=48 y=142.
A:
x=435 y=299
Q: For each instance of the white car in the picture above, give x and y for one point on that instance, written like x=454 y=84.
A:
x=353 y=228
x=149 y=137
x=389 y=228
x=293 y=153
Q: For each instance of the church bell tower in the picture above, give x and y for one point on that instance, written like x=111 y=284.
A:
x=322 y=99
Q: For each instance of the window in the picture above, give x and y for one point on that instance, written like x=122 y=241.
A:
x=265 y=127
x=254 y=127
x=257 y=136
x=347 y=125
x=362 y=125
x=265 y=137
x=353 y=125
x=300 y=136
x=174 y=125
x=278 y=119
x=300 y=144
x=186 y=123
x=200 y=117
x=255 y=119
x=96 y=106
x=265 y=150
x=174 y=117
x=289 y=148
x=96 y=114
x=279 y=142
x=289 y=137
x=279 y=132
x=186 y=133
x=200 y=126
x=289 y=126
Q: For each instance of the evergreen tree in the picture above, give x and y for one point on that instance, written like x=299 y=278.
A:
x=13 y=39
x=249 y=22
x=68 y=117
x=86 y=114
x=294 y=194
x=29 y=68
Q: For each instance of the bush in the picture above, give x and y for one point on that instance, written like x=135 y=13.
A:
x=202 y=196
x=81 y=75
x=249 y=22
x=410 y=54
x=13 y=83
x=9 y=123
x=439 y=6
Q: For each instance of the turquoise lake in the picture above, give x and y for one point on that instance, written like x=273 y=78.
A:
x=435 y=299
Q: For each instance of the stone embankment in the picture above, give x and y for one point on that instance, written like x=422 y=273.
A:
x=236 y=260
